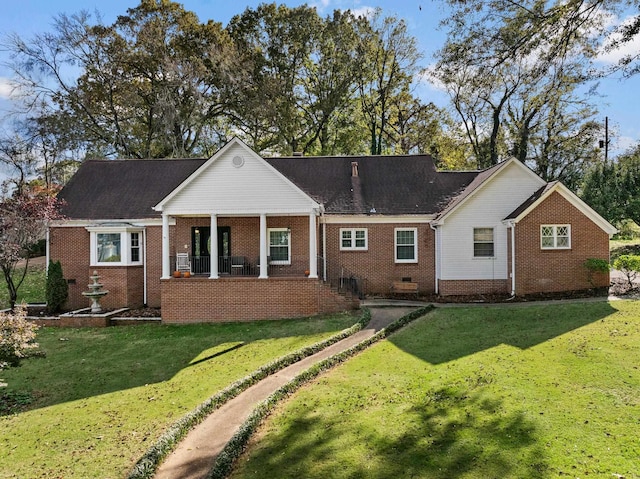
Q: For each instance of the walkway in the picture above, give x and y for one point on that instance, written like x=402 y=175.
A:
x=195 y=455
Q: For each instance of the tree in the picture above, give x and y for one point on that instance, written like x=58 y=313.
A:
x=24 y=217
x=149 y=84
x=57 y=289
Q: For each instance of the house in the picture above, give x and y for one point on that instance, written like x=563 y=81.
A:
x=285 y=237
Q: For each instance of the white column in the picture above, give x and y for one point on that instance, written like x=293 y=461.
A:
x=166 y=256
x=263 y=247
x=313 y=247
x=214 y=248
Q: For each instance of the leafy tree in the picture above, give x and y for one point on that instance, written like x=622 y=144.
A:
x=149 y=84
x=23 y=221
x=57 y=289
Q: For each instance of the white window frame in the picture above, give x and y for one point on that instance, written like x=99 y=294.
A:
x=125 y=245
x=493 y=241
x=554 y=236
x=353 y=239
x=415 y=245
x=288 y=231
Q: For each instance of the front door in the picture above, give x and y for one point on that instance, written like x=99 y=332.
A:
x=201 y=248
x=224 y=249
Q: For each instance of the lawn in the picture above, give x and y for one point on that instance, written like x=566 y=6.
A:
x=523 y=391
x=101 y=397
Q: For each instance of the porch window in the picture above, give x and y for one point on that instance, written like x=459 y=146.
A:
x=353 y=239
x=280 y=245
x=115 y=246
x=406 y=245
x=483 y=246
x=555 y=236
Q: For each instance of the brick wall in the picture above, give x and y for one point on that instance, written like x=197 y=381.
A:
x=70 y=246
x=545 y=271
x=377 y=266
x=198 y=299
x=473 y=287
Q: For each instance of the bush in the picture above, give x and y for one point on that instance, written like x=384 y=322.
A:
x=593 y=266
x=57 y=289
x=17 y=337
x=629 y=264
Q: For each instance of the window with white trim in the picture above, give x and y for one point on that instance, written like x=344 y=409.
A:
x=406 y=245
x=279 y=245
x=555 y=236
x=483 y=244
x=353 y=239
x=115 y=246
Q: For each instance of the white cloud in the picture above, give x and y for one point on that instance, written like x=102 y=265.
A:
x=623 y=144
x=626 y=49
x=7 y=88
x=367 y=12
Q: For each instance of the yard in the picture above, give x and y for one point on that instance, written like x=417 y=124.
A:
x=526 y=391
x=101 y=397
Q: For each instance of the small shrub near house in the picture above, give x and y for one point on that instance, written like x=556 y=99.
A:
x=57 y=289
x=595 y=266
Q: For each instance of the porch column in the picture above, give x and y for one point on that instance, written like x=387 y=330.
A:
x=166 y=256
x=263 y=247
x=214 y=247
x=313 y=247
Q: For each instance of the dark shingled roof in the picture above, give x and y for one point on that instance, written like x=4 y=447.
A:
x=403 y=184
x=123 y=189
x=531 y=200
x=406 y=184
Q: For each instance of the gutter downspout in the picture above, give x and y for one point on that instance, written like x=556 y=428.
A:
x=513 y=258
x=324 y=244
x=144 y=267
x=437 y=255
x=46 y=251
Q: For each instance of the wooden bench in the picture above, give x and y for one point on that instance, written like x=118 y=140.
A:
x=404 y=287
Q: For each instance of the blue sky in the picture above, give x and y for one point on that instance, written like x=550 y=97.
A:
x=620 y=100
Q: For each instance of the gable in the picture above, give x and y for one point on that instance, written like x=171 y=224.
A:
x=544 y=193
x=236 y=181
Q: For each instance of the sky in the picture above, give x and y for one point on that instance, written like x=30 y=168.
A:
x=619 y=100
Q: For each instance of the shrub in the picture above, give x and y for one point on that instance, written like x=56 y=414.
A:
x=17 y=337
x=593 y=266
x=629 y=264
x=57 y=289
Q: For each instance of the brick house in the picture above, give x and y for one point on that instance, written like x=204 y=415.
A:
x=284 y=237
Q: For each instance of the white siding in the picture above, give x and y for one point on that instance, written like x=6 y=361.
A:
x=254 y=188
x=502 y=194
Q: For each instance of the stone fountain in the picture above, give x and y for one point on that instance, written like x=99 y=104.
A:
x=96 y=292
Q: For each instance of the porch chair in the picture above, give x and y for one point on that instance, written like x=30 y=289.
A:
x=182 y=262
x=237 y=265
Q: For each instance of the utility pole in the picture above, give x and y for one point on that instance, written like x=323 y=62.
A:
x=605 y=144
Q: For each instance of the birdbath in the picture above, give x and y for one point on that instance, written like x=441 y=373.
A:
x=96 y=292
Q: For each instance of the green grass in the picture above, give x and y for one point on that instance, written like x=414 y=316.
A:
x=101 y=397
x=32 y=289
x=514 y=392
x=620 y=247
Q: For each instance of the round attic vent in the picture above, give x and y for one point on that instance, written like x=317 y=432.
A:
x=237 y=161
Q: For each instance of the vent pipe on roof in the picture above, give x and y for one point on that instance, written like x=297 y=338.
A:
x=354 y=169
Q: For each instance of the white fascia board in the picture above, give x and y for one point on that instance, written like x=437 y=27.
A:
x=103 y=222
x=378 y=219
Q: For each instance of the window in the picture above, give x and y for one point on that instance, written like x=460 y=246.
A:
x=406 y=245
x=555 y=236
x=135 y=247
x=353 y=239
x=115 y=245
x=280 y=246
x=483 y=243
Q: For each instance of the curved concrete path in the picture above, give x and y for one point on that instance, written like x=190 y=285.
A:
x=196 y=453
